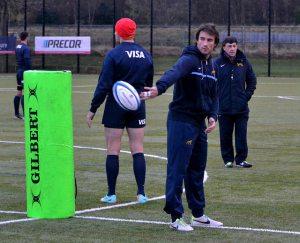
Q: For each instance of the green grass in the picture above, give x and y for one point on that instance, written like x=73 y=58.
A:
x=265 y=196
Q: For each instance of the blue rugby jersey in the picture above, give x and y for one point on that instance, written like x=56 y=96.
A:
x=127 y=62
x=23 y=57
x=195 y=94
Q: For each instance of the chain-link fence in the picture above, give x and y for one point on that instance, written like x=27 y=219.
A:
x=164 y=28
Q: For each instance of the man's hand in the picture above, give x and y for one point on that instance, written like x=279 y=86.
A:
x=89 y=118
x=149 y=94
x=211 y=125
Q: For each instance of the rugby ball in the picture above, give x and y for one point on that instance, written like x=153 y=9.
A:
x=126 y=96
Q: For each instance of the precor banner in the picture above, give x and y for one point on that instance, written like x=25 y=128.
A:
x=7 y=44
x=62 y=45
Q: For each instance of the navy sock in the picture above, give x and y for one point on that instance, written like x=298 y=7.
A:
x=112 y=171
x=17 y=104
x=139 y=168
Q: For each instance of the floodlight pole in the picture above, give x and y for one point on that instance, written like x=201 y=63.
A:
x=269 y=38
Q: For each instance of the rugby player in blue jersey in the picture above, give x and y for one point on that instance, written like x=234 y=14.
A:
x=131 y=63
x=195 y=99
x=23 y=63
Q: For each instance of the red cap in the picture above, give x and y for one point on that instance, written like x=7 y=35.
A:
x=125 y=28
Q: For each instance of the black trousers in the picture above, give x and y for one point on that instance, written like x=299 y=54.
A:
x=237 y=123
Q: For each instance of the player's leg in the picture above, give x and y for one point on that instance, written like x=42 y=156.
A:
x=135 y=123
x=226 y=124
x=136 y=137
x=241 y=140
x=194 y=182
x=180 y=142
x=195 y=172
x=113 y=121
x=18 y=96
x=113 y=143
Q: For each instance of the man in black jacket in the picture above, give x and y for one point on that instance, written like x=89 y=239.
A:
x=236 y=83
x=194 y=100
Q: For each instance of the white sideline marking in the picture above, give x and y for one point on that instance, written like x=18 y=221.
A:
x=276 y=83
x=289 y=97
x=267 y=96
x=12 y=212
x=166 y=223
x=94 y=148
x=16 y=221
x=170 y=94
x=122 y=220
x=116 y=205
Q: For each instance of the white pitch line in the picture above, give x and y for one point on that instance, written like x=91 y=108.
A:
x=268 y=96
x=12 y=212
x=289 y=97
x=93 y=148
x=122 y=220
x=116 y=205
x=276 y=83
x=16 y=221
x=166 y=223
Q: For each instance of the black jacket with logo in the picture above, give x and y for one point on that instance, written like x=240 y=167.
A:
x=236 y=83
x=195 y=91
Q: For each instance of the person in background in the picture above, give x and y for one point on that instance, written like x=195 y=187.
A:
x=236 y=82
x=23 y=63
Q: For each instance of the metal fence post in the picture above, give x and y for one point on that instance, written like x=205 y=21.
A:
x=190 y=21
x=25 y=15
x=269 y=38
x=151 y=27
x=78 y=33
x=228 y=18
x=43 y=33
x=114 y=22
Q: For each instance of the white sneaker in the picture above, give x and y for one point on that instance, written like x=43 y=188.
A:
x=180 y=225
x=205 y=221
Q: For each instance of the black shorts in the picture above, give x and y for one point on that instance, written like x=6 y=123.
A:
x=116 y=117
x=20 y=80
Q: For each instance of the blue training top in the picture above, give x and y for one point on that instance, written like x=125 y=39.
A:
x=23 y=57
x=127 y=62
x=195 y=94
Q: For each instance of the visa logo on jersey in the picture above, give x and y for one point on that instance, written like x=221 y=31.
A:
x=135 y=54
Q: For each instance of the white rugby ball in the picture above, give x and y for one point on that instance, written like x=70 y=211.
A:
x=126 y=96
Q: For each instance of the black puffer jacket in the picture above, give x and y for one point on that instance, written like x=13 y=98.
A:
x=236 y=83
